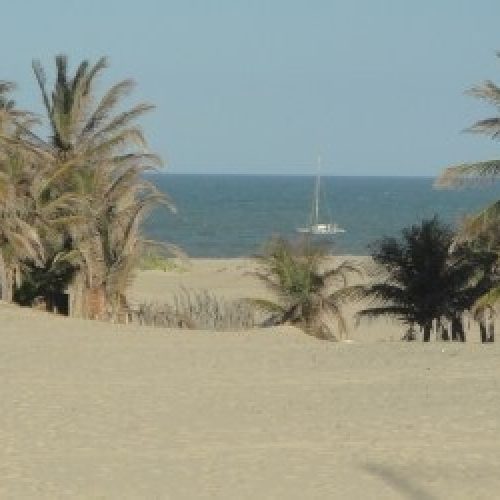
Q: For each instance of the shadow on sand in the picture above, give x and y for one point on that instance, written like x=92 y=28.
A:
x=399 y=482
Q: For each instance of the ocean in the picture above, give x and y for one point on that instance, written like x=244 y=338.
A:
x=234 y=215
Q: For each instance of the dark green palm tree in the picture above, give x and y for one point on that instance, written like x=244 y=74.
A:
x=310 y=291
x=424 y=278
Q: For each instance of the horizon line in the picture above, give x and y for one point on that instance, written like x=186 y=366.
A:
x=264 y=174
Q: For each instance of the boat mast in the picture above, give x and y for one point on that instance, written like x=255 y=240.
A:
x=316 y=192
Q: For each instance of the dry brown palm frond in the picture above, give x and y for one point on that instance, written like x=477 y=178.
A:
x=488 y=91
x=99 y=66
x=27 y=243
x=334 y=312
x=106 y=106
x=6 y=87
x=98 y=147
x=488 y=126
x=142 y=161
x=87 y=189
x=473 y=173
x=125 y=181
x=481 y=229
x=29 y=142
x=468 y=174
x=52 y=174
x=488 y=301
x=342 y=273
x=125 y=118
x=42 y=83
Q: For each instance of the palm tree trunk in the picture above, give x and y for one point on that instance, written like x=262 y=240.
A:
x=482 y=328
x=491 y=337
x=427 y=332
x=445 y=334
x=4 y=286
x=457 y=329
x=8 y=286
x=95 y=303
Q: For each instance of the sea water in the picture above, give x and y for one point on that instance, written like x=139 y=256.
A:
x=234 y=215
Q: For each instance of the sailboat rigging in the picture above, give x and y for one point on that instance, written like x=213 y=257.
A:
x=316 y=227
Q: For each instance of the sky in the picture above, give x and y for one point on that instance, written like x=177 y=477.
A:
x=264 y=86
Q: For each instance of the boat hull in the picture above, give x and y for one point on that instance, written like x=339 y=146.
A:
x=320 y=229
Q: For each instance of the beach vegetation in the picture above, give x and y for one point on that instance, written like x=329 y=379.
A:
x=197 y=309
x=154 y=259
x=483 y=228
x=481 y=171
x=424 y=276
x=74 y=201
x=310 y=288
x=19 y=238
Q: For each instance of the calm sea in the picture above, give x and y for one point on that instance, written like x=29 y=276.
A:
x=232 y=215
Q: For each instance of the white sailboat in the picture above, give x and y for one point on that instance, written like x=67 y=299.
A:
x=316 y=227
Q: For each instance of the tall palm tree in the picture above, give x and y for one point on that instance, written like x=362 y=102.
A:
x=122 y=200
x=423 y=278
x=470 y=173
x=481 y=228
x=97 y=155
x=19 y=239
x=309 y=292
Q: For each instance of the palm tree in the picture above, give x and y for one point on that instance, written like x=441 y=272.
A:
x=19 y=239
x=423 y=278
x=481 y=228
x=96 y=156
x=470 y=173
x=309 y=293
x=122 y=200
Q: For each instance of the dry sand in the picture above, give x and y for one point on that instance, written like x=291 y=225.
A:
x=93 y=410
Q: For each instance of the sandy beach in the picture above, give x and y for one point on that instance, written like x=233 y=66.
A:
x=96 y=410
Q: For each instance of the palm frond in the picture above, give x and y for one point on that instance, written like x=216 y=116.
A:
x=6 y=87
x=477 y=225
x=490 y=299
x=98 y=149
x=100 y=65
x=375 y=312
x=42 y=82
x=335 y=311
x=108 y=102
x=383 y=291
x=487 y=91
x=342 y=272
x=266 y=305
x=468 y=173
x=346 y=294
x=489 y=126
x=124 y=119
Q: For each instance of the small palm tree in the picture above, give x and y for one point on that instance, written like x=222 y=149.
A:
x=423 y=278
x=310 y=293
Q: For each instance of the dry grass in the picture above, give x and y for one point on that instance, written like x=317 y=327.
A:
x=200 y=310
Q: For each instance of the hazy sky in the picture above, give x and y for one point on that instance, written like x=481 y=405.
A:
x=260 y=86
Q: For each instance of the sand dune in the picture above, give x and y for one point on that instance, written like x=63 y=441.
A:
x=93 y=410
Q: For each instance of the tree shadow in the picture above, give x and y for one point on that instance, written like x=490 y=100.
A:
x=405 y=485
